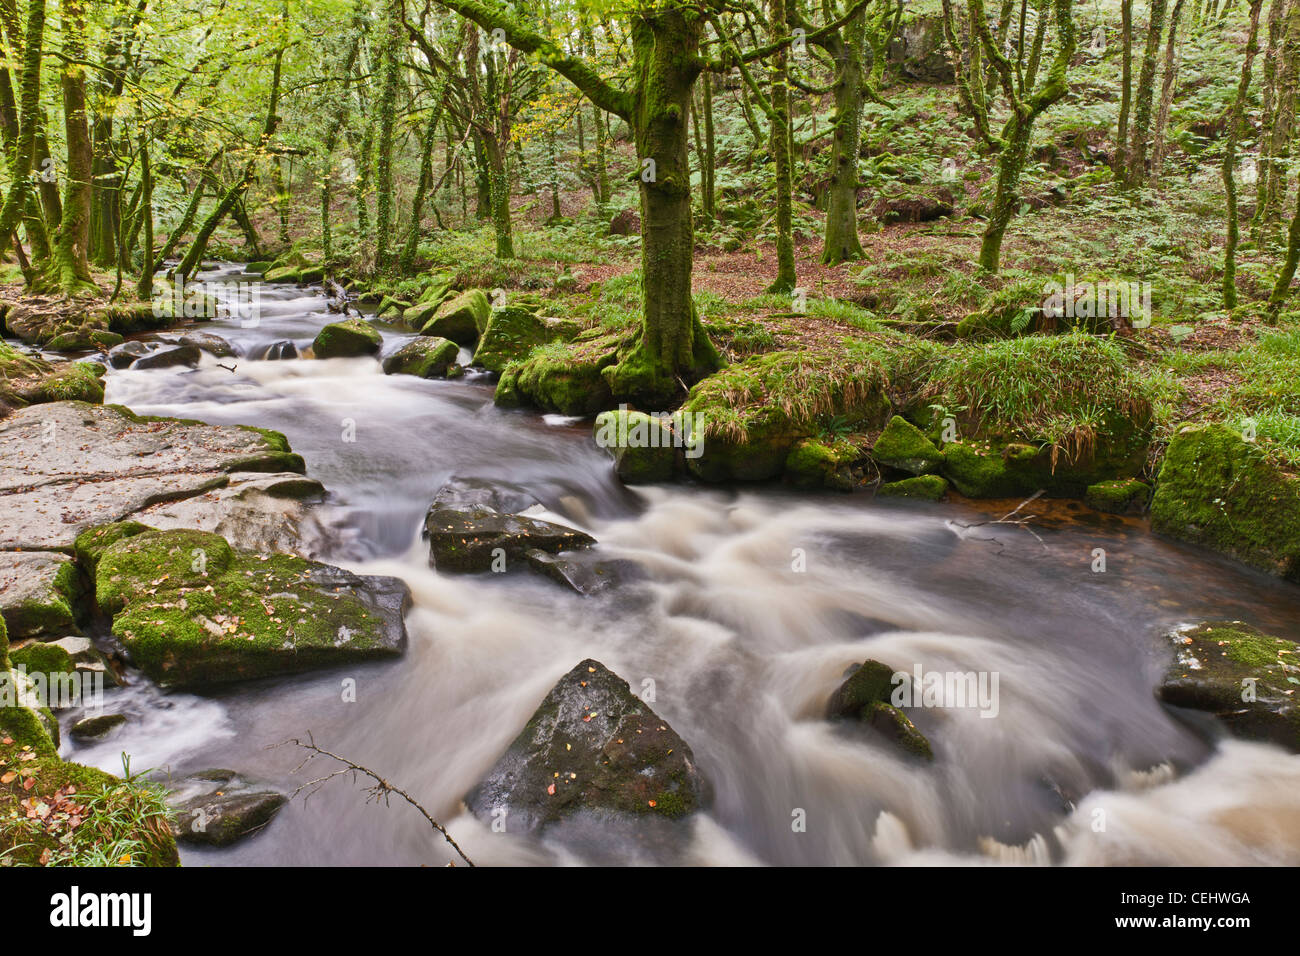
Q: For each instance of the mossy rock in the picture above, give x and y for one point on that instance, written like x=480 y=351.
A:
x=312 y=274
x=192 y=611
x=513 y=332
x=83 y=339
x=127 y=827
x=391 y=307
x=834 y=464
x=348 y=338
x=42 y=593
x=980 y=473
x=283 y=274
x=24 y=718
x=1246 y=678
x=645 y=448
x=1217 y=490
x=437 y=290
x=258 y=267
x=1121 y=496
x=905 y=447
x=925 y=487
x=462 y=319
x=564 y=377
x=865 y=697
x=753 y=413
x=426 y=357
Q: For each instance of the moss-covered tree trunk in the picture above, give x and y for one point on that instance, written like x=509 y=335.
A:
x=1282 y=288
x=1236 y=124
x=708 y=188
x=144 y=288
x=69 y=269
x=1146 y=87
x=390 y=75
x=842 y=242
x=20 y=160
x=782 y=160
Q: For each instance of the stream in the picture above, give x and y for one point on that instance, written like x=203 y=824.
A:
x=751 y=604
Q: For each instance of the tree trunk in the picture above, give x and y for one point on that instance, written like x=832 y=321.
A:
x=1137 y=160
x=1236 y=123
x=29 y=100
x=1120 y=165
x=842 y=242
x=390 y=77
x=779 y=134
x=69 y=268
x=144 y=288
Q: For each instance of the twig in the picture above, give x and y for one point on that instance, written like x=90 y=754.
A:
x=1010 y=518
x=380 y=790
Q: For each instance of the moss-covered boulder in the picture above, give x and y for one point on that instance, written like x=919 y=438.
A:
x=40 y=593
x=1217 y=490
x=981 y=472
x=592 y=747
x=391 y=308
x=1246 y=678
x=904 y=447
x=1121 y=496
x=426 y=357
x=461 y=319
x=836 y=464
x=925 y=487
x=865 y=697
x=193 y=611
x=752 y=413
x=27 y=379
x=219 y=807
x=348 y=338
x=513 y=332
x=645 y=448
x=283 y=274
x=564 y=377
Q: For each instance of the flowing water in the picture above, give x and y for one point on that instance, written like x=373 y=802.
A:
x=754 y=601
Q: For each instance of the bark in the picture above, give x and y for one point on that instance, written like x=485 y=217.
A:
x=1236 y=124
x=69 y=268
x=29 y=100
x=842 y=242
x=782 y=160
x=390 y=76
x=1126 y=91
x=1167 y=91
x=1138 y=148
x=144 y=288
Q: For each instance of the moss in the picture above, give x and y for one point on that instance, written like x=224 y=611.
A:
x=816 y=463
x=347 y=338
x=978 y=473
x=563 y=377
x=644 y=448
x=74 y=381
x=462 y=319
x=425 y=357
x=90 y=544
x=40 y=658
x=275 y=439
x=285 y=273
x=896 y=725
x=192 y=610
x=904 y=447
x=24 y=718
x=513 y=332
x=1217 y=490
x=926 y=487
x=1118 y=497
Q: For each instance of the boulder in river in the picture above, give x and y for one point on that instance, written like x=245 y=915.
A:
x=865 y=697
x=214 y=345
x=192 y=611
x=219 y=807
x=39 y=593
x=579 y=571
x=1244 y=677
x=904 y=447
x=514 y=331
x=29 y=379
x=481 y=539
x=277 y=351
x=121 y=356
x=97 y=727
x=348 y=338
x=425 y=357
x=592 y=746
x=462 y=319
x=461 y=492
x=170 y=357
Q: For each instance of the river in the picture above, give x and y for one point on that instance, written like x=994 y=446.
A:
x=753 y=603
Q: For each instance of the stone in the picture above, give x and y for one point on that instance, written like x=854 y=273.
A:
x=476 y=538
x=424 y=357
x=1121 y=496
x=513 y=332
x=39 y=593
x=865 y=697
x=219 y=807
x=591 y=747
x=277 y=351
x=462 y=319
x=192 y=611
x=578 y=571
x=904 y=447
x=172 y=357
x=214 y=345
x=347 y=338
x=97 y=727
x=461 y=493
x=121 y=356
x=924 y=487
x=645 y=449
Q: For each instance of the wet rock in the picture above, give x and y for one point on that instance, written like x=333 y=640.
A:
x=904 y=447
x=348 y=338
x=511 y=333
x=29 y=379
x=277 y=351
x=1220 y=491
x=925 y=487
x=193 y=611
x=68 y=466
x=462 y=319
x=1122 y=496
x=591 y=747
x=87 y=659
x=838 y=465
x=214 y=345
x=39 y=593
x=97 y=727
x=1240 y=675
x=170 y=357
x=462 y=493
x=578 y=571
x=865 y=697
x=645 y=448
x=425 y=357
x=566 y=377
x=123 y=355
x=479 y=539
x=219 y=807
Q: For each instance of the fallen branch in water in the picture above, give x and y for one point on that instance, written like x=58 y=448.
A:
x=379 y=790
x=1011 y=519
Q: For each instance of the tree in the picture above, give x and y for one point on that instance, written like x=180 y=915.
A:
x=1236 y=123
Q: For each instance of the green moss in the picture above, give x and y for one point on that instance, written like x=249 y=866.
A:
x=347 y=338
x=642 y=446
x=563 y=377
x=425 y=357
x=462 y=319
x=904 y=446
x=513 y=332
x=978 y=473
x=1118 y=497
x=1220 y=491
x=73 y=381
x=926 y=487
x=40 y=658
x=90 y=544
x=818 y=463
